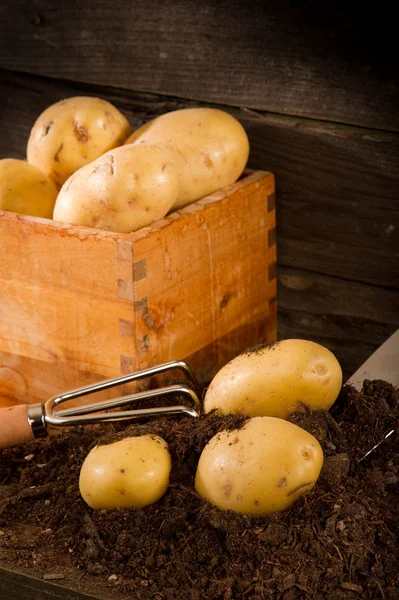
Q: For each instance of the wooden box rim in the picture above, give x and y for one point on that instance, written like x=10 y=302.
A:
x=248 y=177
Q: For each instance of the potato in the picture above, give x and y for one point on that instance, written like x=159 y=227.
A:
x=210 y=148
x=259 y=469
x=131 y=473
x=276 y=380
x=25 y=189
x=73 y=133
x=123 y=190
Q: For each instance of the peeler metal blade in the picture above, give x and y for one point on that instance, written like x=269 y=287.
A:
x=383 y=364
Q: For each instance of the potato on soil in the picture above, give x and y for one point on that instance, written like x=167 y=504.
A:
x=210 y=148
x=276 y=380
x=123 y=190
x=260 y=469
x=25 y=189
x=131 y=473
x=73 y=133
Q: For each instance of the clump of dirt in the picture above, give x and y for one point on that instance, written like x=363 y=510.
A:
x=259 y=348
x=339 y=542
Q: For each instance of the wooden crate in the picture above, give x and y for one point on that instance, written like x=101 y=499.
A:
x=79 y=304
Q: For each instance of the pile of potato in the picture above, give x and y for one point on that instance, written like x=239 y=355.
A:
x=262 y=468
x=85 y=166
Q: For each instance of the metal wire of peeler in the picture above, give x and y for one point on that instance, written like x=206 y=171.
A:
x=22 y=423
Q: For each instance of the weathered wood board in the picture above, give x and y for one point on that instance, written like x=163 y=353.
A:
x=19 y=586
x=320 y=60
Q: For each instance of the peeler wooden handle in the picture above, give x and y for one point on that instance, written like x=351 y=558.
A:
x=15 y=428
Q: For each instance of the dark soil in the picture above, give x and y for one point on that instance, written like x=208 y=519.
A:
x=339 y=542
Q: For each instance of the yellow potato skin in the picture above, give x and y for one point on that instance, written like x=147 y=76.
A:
x=73 y=133
x=210 y=148
x=24 y=189
x=260 y=469
x=125 y=189
x=131 y=473
x=276 y=380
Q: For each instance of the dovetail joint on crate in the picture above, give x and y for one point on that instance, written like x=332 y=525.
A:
x=126 y=363
x=143 y=345
x=125 y=290
x=126 y=328
x=124 y=250
x=272 y=305
x=141 y=307
x=271 y=237
x=139 y=270
x=271 y=202
x=272 y=271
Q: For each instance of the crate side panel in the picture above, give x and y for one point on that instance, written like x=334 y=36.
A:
x=210 y=270
x=65 y=295
x=25 y=380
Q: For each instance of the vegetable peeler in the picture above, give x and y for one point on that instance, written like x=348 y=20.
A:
x=23 y=423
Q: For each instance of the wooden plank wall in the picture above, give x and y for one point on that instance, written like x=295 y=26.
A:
x=315 y=86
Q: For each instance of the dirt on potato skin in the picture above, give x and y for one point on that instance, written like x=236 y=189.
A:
x=339 y=542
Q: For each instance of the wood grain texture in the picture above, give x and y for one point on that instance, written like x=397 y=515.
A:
x=352 y=319
x=27 y=380
x=337 y=186
x=337 y=192
x=19 y=586
x=319 y=60
x=59 y=294
x=207 y=273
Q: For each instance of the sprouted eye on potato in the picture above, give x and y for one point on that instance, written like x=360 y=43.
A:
x=73 y=133
x=131 y=473
x=260 y=469
x=276 y=380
